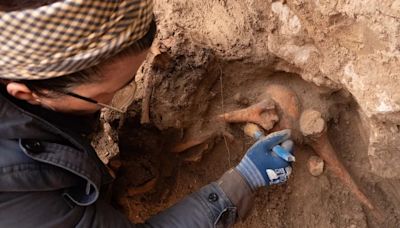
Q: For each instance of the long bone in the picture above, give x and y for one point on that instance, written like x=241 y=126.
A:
x=200 y=139
x=262 y=113
x=314 y=129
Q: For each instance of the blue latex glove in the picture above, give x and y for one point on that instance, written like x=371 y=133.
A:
x=263 y=167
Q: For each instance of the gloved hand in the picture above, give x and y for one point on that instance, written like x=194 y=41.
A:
x=263 y=167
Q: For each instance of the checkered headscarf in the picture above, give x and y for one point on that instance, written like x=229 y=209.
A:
x=68 y=36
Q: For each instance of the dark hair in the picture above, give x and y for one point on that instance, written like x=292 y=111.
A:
x=63 y=83
x=12 y=5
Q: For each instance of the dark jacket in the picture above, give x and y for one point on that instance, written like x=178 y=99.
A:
x=51 y=177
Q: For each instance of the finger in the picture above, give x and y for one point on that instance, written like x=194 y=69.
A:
x=283 y=153
x=277 y=161
x=288 y=146
x=274 y=139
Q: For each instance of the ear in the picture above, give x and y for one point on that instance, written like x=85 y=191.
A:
x=22 y=92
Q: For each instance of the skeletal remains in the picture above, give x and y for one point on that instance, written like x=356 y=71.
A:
x=309 y=127
x=314 y=129
x=282 y=112
x=262 y=113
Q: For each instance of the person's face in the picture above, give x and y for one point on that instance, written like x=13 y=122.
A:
x=114 y=76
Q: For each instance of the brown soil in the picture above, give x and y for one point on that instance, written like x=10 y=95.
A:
x=305 y=201
x=212 y=57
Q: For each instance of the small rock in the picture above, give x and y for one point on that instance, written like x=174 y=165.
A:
x=315 y=166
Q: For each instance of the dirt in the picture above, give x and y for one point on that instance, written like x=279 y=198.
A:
x=305 y=201
x=211 y=57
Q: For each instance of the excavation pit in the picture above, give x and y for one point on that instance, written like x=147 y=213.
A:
x=152 y=177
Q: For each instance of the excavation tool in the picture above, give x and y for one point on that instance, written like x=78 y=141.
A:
x=314 y=129
x=256 y=132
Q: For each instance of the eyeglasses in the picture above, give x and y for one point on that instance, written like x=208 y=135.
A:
x=120 y=102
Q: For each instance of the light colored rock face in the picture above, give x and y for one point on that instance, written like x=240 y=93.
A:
x=351 y=45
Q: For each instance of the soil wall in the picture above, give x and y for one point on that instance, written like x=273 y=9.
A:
x=349 y=45
x=341 y=57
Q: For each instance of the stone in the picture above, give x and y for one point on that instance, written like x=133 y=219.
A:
x=315 y=166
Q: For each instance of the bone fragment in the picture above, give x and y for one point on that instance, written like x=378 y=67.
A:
x=314 y=128
x=262 y=113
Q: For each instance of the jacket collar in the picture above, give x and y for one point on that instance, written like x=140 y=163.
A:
x=20 y=120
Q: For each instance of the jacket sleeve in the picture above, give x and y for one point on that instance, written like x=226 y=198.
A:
x=208 y=207
x=215 y=205
x=218 y=204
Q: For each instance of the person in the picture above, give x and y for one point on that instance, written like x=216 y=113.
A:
x=61 y=61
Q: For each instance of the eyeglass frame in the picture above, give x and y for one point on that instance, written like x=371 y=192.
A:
x=93 y=101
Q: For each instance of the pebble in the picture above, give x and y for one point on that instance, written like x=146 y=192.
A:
x=315 y=166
